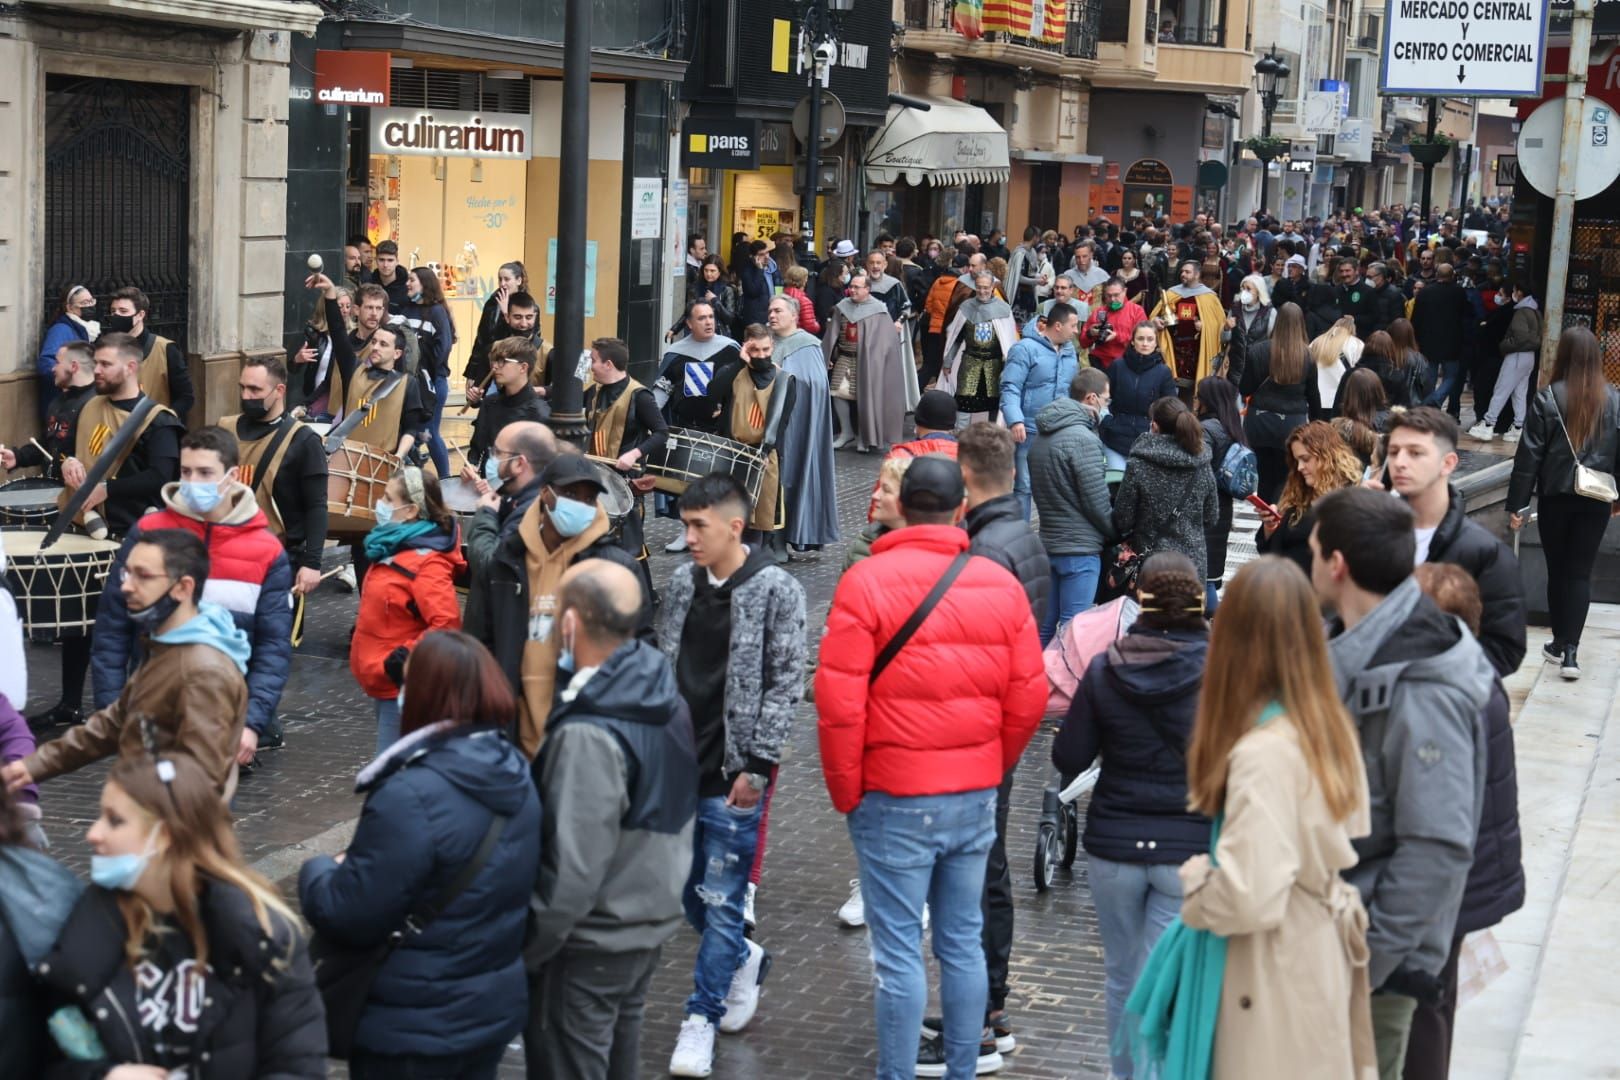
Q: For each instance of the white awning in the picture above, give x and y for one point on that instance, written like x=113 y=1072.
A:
x=952 y=143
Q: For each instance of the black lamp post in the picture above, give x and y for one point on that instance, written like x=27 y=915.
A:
x=1270 y=74
x=820 y=28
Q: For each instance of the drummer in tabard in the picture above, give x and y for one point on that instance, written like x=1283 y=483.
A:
x=511 y=363
x=745 y=401
x=365 y=360
x=75 y=381
x=687 y=376
x=165 y=375
x=625 y=425
x=132 y=484
x=284 y=463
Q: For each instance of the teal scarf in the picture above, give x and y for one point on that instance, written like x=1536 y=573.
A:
x=1170 y=1017
x=385 y=540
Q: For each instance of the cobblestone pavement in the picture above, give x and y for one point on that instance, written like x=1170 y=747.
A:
x=815 y=1019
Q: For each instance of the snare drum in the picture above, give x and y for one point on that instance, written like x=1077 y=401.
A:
x=356 y=476
x=616 y=498
x=29 y=501
x=689 y=455
x=57 y=589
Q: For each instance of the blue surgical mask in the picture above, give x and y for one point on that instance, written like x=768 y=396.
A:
x=565 y=655
x=492 y=470
x=200 y=496
x=572 y=517
x=384 y=510
x=121 y=872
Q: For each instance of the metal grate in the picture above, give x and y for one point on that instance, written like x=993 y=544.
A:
x=421 y=88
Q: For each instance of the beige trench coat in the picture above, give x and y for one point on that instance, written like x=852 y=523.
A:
x=1294 y=1002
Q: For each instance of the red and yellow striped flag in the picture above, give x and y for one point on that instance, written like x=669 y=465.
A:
x=1038 y=20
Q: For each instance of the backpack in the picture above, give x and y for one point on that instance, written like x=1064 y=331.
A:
x=1239 y=474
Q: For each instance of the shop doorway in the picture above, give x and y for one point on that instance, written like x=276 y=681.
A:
x=118 y=194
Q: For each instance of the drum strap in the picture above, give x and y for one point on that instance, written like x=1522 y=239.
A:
x=264 y=478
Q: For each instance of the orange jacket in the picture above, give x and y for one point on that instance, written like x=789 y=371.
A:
x=402 y=599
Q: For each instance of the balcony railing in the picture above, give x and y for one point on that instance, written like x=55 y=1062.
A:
x=1081 y=23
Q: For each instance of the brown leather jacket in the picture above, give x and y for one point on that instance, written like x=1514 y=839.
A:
x=193 y=693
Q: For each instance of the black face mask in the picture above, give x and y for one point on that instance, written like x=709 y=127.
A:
x=155 y=614
x=118 y=324
x=254 y=408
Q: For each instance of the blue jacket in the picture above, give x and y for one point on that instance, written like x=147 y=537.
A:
x=58 y=334
x=1036 y=374
x=1136 y=382
x=459 y=985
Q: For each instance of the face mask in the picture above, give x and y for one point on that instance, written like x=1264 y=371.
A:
x=1246 y=298
x=572 y=517
x=122 y=872
x=154 y=614
x=844 y=280
x=492 y=471
x=759 y=363
x=255 y=408
x=565 y=656
x=201 y=497
x=384 y=511
x=118 y=324
x=1115 y=305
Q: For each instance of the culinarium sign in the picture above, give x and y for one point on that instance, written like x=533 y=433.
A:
x=443 y=133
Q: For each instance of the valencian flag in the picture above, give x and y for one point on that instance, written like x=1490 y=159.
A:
x=969 y=20
x=1038 y=20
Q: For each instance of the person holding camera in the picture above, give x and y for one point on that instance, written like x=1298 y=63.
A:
x=1108 y=329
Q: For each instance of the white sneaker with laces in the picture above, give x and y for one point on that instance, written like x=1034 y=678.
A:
x=694 y=1048
x=345 y=578
x=853 y=911
x=748 y=906
x=677 y=545
x=742 y=1000
x=926 y=919
x=1482 y=431
x=1512 y=434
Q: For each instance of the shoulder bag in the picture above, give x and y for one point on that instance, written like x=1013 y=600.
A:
x=1592 y=483
x=344 y=975
x=909 y=627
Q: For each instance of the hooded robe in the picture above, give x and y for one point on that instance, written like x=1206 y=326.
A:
x=869 y=369
x=808 y=490
x=892 y=292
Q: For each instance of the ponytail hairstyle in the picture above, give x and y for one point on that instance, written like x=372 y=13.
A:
x=1170 y=592
x=1173 y=418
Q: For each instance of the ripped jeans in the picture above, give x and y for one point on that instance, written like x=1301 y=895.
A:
x=723 y=846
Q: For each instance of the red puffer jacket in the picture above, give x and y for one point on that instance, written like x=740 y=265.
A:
x=400 y=600
x=956 y=707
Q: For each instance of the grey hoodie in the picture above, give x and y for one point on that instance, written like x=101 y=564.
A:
x=1415 y=682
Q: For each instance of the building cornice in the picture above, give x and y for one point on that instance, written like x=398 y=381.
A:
x=299 y=16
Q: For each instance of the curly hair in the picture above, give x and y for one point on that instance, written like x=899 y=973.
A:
x=1337 y=467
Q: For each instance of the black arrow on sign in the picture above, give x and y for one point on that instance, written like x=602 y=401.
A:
x=1459 y=73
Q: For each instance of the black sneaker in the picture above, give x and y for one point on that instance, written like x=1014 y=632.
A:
x=999 y=1023
x=1553 y=652
x=931 y=1055
x=1568 y=667
x=58 y=716
x=272 y=740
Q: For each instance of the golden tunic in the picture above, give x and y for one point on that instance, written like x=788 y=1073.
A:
x=155 y=371
x=749 y=405
x=380 y=430
x=260 y=475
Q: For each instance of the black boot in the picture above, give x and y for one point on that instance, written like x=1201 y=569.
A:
x=59 y=715
x=1570 y=669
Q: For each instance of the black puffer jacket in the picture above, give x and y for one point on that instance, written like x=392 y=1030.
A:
x=1496 y=882
x=998 y=531
x=1543 y=464
x=1467 y=544
x=1136 y=382
x=1135 y=707
x=258 y=1017
x=1167 y=499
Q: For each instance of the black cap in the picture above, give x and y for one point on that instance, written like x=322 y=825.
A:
x=936 y=410
x=567 y=469
x=932 y=484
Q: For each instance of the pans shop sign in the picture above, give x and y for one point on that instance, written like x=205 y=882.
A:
x=720 y=143
x=445 y=133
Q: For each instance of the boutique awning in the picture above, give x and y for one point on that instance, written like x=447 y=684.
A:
x=952 y=143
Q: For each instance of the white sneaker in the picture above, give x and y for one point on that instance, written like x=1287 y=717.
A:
x=677 y=545
x=748 y=906
x=1482 y=431
x=853 y=911
x=742 y=1001
x=1512 y=434
x=345 y=578
x=926 y=919
x=694 y=1048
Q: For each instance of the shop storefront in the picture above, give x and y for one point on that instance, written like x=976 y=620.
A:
x=741 y=179
x=940 y=170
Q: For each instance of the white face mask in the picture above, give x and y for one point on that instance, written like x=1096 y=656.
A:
x=1246 y=298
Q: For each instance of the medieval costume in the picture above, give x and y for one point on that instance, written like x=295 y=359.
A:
x=752 y=413
x=976 y=347
x=892 y=291
x=808 y=491
x=685 y=377
x=624 y=416
x=863 y=347
x=1192 y=340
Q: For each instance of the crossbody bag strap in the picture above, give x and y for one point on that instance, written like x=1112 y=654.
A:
x=1574 y=453
x=909 y=627
x=426 y=912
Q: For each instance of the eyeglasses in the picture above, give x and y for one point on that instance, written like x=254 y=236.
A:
x=142 y=576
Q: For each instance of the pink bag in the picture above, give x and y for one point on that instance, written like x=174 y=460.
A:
x=1086 y=636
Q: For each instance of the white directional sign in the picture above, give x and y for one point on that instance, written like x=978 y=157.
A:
x=1464 y=48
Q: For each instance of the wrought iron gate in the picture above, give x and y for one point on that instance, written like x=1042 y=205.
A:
x=118 y=194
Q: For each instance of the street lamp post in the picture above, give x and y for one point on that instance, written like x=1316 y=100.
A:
x=821 y=49
x=1270 y=74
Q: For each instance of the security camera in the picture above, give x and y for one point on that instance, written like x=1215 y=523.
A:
x=826 y=52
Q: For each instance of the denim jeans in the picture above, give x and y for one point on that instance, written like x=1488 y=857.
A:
x=436 y=448
x=387 y=722
x=1074 y=588
x=1450 y=386
x=723 y=845
x=1212 y=597
x=911 y=850
x=1135 y=902
x=1021 y=469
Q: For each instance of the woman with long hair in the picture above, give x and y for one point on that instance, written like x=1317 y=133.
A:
x=1333 y=354
x=1274 y=383
x=1363 y=414
x=1167 y=500
x=448 y=1000
x=1275 y=759
x=181 y=960
x=1573 y=422
x=829 y=288
x=714 y=286
x=1381 y=357
x=510 y=280
x=310 y=366
x=1410 y=361
x=1319 y=462
x=1134 y=707
x=1139 y=286
x=414 y=555
x=1215 y=403
x=428 y=317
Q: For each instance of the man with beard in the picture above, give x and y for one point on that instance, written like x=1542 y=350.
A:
x=522 y=320
x=75 y=380
x=750 y=414
x=863 y=347
x=976 y=347
x=165 y=375
x=625 y=426
x=1190 y=318
x=805 y=446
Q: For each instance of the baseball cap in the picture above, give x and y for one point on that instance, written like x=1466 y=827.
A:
x=566 y=469
x=932 y=484
x=936 y=410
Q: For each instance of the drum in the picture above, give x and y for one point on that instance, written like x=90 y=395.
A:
x=57 y=589
x=689 y=455
x=355 y=478
x=617 y=498
x=29 y=501
x=460 y=498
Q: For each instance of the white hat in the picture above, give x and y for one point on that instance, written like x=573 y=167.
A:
x=844 y=250
x=1295 y=260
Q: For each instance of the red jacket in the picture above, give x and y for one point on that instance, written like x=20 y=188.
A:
x=807 y=311
x=1124 y=321
x=401 y=600
x=956 y=707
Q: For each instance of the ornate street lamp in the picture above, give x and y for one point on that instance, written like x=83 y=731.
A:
x=1270 y=74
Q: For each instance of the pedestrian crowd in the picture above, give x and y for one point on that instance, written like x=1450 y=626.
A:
x=1305 y=795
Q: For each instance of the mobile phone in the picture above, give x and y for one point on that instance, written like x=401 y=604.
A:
x=1265 y=508
x=312 y=338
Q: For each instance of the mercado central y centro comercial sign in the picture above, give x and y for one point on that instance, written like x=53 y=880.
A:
x=1464 y=48
x=443 y=133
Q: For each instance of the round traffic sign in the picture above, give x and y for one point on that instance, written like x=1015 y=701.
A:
x=1542 y=133
x=832 y=118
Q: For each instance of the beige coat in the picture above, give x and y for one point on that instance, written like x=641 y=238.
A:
x=1294 y=1002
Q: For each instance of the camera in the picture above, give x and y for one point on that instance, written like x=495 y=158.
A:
x=826 y=52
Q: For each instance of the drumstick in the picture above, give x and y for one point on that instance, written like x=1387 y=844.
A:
x=35 y=444
x=483 y=387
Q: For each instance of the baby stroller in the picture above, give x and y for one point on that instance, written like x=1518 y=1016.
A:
x=1086 y=636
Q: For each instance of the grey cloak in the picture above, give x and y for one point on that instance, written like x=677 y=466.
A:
x=880 y=378
x=805 y=446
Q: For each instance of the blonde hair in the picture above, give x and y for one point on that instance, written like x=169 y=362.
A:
x=1269 y=645
x=796 y=276
x=1257 y=284
x=894 y=469
x=1327 y=348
